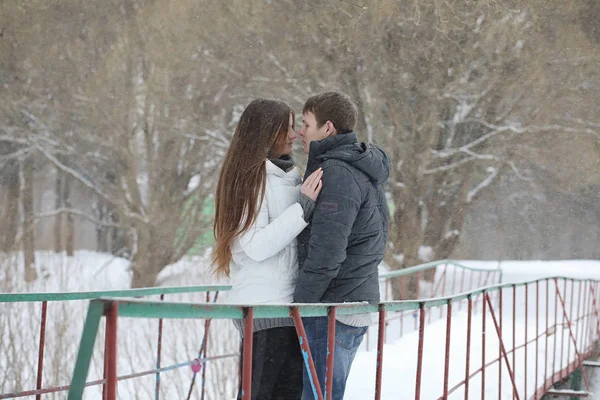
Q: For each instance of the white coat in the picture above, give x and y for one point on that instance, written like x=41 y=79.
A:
x=264 y=263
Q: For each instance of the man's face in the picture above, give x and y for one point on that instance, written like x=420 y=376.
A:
x=310 y=132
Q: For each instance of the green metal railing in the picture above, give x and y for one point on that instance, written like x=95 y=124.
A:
x=572 y=318
x=45 y=298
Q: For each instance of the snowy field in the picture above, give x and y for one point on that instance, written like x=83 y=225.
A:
x=19 y=335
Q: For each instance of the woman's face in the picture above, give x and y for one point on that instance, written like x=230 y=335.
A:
x=287 y=147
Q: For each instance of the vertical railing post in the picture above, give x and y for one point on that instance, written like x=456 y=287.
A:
x=330 y=352
x=510 y=371
x=447 y=351
x=537 y=335
x=577 y=353
x=556 y=328
x=158 y=353
x=596 y=311
x=420 y=350
x=308 y=359
x=42 y=345
x=578 y=316
x=563 y=372
x=247 y=353
x=112 y=315
x=483 y=346
x=468 y=355
x=526 y=336
x=500 y=317
x=514 y=332
x=547 y=333
x=204 y=347
x=380 y=344
x=573 y=320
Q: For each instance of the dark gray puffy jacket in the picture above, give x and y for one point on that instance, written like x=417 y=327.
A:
x=340 y=251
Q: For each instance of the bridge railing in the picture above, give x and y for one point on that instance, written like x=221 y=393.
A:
x=517 y=339
x=26 y=348
x=39 y=340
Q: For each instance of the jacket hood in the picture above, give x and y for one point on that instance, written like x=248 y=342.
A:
x=366 y=157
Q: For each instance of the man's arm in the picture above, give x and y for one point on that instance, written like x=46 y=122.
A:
x=335 y=213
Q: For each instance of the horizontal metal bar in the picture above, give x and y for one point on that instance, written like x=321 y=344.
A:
x=62 y=296
x=421 y=267
x=154 y=309
x=120 y=378
x=569 y=392
x=140 y=308
x=594 y=364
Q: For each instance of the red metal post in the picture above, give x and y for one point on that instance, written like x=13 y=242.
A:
x=510 y=372
x=526 y=339
x=418 y=291
x=468 y=356
x=306 y=350
x=547 y=334
x=330 y=352
x=420 y=350
x=380 y=343
x=584 y=316
x=112 y=315
x=483 y=348
x=104 y=393
x=206 y=336
x=573 y=320
x=588 y=330
x=537 y=334
x=447 y=358
x=247 y=351
x=578 y=317
x=158 y=353
x=514 y=331
x=596 y=311
x=563 y=373
x=40 y=368
x=556 y=327
x=500 y=312
x=579 y=356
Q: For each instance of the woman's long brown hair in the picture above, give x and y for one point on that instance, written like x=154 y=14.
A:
x=242 y=180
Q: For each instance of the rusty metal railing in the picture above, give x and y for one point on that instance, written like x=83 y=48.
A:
x=567 y=327
x=440 y=278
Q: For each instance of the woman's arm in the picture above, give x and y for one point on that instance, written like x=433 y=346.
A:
x=263 y=240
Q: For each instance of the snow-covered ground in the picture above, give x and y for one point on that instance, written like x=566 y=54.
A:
x=19 y=334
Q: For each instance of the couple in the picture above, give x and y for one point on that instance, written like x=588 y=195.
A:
x=282 y=240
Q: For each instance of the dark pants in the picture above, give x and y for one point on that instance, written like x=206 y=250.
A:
x=276 y=365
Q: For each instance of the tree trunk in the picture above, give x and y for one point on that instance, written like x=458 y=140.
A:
x=28 y=222
x=58 y=230
x=70 y=240
x=153 y=254
x=11 y=224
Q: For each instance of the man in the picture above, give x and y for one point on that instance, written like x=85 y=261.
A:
x=341 y=250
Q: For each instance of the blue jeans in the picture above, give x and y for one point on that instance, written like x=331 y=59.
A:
x=347 y=340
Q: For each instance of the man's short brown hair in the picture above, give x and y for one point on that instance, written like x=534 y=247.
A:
x=336 y=107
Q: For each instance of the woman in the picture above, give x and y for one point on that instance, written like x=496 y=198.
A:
x=260 y=209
